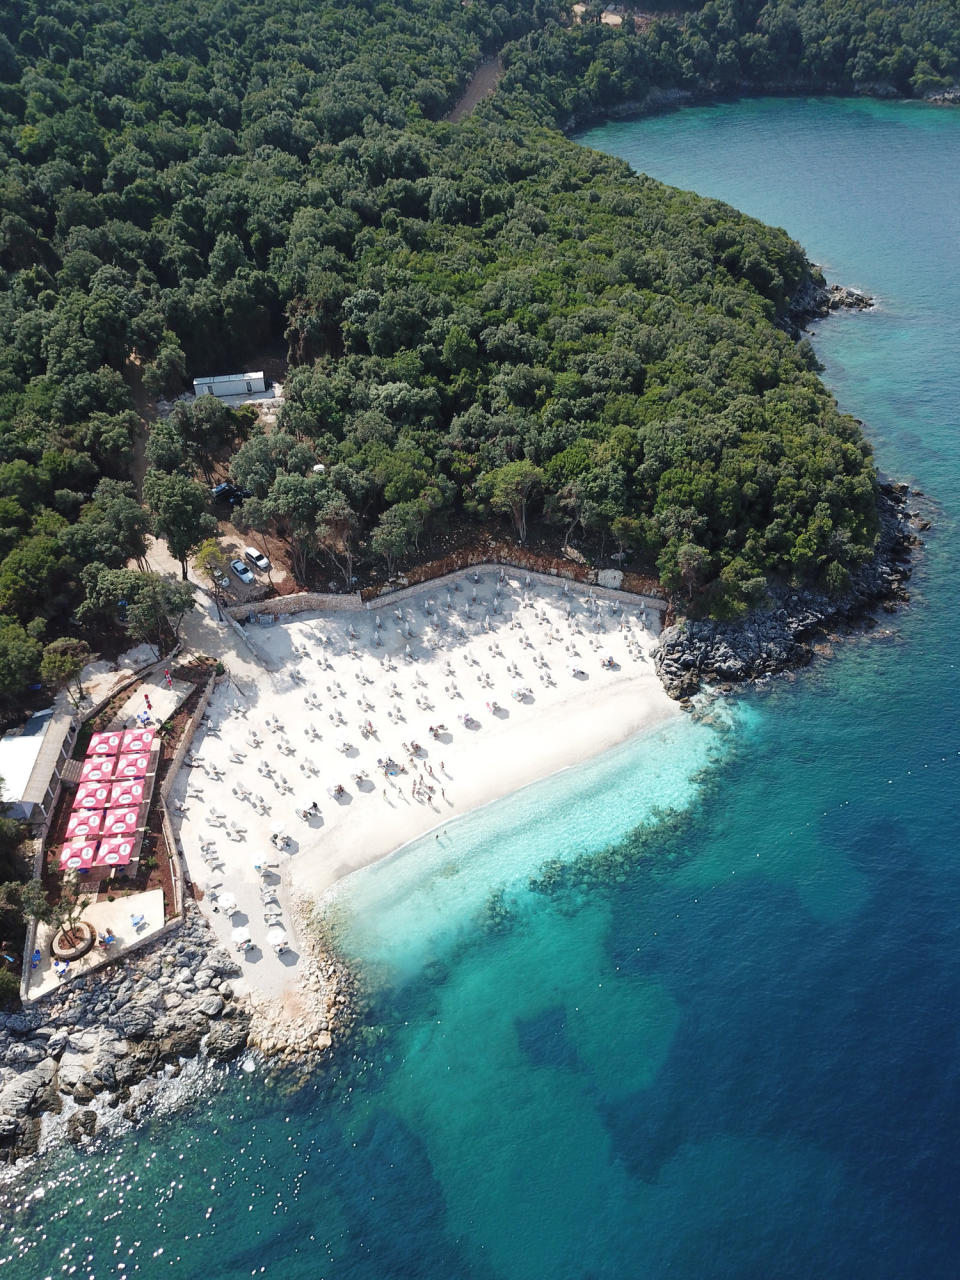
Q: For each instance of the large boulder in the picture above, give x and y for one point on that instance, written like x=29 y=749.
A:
x=227 y=1039
x=183 y=1042
x=26 y=1093
x=82 y=1124
x=136 y=1021
x=211 y=1005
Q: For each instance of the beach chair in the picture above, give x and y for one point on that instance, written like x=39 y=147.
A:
x=35 y=959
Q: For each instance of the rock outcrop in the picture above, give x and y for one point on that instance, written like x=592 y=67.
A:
x=107 y=1032
x=693 y=653
x=814 y=300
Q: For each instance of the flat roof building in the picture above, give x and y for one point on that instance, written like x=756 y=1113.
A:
x=230 y=384
x=30 y=762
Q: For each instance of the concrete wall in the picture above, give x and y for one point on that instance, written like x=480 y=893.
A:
x=511 y=556
x=178 y=871
x=302 y=602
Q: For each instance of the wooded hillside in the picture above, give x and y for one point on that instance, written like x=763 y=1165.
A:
x=487 y=322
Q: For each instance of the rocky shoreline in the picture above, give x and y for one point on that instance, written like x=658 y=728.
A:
x=692 y=654
x=816 y=299
x=134 y=1023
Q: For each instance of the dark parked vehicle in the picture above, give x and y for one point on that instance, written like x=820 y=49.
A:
x=228 y=492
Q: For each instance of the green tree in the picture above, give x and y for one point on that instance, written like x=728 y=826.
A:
x=63 y=660
x=211 y=563
x=179 y=507
x=508 y=489
x=20 y=655
x=336 y=533
x=693 y=563
x=397 y=533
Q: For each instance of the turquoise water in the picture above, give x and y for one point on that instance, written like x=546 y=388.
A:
x=604 y=1043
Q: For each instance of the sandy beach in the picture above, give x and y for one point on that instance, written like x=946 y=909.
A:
x=382 y=723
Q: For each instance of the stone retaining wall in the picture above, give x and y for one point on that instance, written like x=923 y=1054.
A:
x=300 y=602
x=510 y=555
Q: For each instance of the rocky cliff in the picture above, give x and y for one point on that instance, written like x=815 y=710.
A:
x=693 y=653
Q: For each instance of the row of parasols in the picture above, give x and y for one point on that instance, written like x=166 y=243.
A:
x=103 y=827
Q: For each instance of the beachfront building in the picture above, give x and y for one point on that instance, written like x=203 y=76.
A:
x=31 y=760
x=230 y=384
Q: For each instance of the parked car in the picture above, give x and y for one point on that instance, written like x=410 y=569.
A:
x=256 y=558
x=228 y=492
x=242 y=572
x=220 y=579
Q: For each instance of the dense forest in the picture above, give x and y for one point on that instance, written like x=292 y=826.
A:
x=485 y=322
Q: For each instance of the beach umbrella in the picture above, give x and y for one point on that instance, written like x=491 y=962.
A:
x=132 y=766
x=84 y=823
x=98 y=768
x=92 y=795
x=119 y=822
x=228 y=902
x=77 y=855
x=137 y=741
x=240 y=935
x=124 y=795
x=276 y=937
x=114 y=853
x=104 y=744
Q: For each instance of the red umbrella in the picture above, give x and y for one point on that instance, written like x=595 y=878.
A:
x=78 y=855
x=120 y=822
x=136 y=741
x=104 y=744
x=114 y=853
x=97 y=768
x=123 y=795
x=92 y=795
x=132 y=766
x=84 y=824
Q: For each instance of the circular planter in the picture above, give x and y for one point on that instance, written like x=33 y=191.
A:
x=74 y=945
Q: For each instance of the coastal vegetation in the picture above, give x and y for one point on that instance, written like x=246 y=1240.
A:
x=485 y=322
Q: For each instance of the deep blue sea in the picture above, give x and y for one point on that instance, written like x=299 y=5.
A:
x=692 y=1010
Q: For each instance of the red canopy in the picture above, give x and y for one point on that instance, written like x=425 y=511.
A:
x=77 y=855
x=120 y=822
x=134 y=766
x=104 y=744
x=97 y=768
x=84 y=824
x=123 y=795
x=114 y=853
x=136 y=741
x=92 y=795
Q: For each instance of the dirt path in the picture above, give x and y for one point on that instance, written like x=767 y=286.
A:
x=482 y=83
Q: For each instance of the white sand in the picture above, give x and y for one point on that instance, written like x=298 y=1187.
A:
x=538 y=631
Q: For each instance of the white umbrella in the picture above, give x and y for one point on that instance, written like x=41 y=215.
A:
x=240 y=935
x=228 y=902
x=276 y=937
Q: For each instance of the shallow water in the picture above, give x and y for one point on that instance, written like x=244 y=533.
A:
x=722 y=1047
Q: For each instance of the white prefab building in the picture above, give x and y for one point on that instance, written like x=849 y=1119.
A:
x=230 y=384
